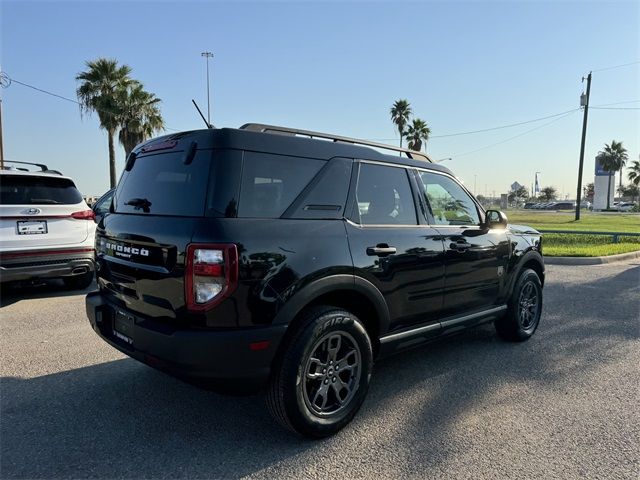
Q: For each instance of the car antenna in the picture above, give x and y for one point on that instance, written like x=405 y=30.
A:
x=209 y=125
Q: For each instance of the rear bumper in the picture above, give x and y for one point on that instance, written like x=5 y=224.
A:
x=20 y=266
x=222 y=360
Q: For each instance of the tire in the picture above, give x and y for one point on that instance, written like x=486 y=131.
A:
x=307 y=394
x=78 y=282
x=523 y=310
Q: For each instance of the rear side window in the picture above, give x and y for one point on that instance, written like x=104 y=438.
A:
x=270 y=183
x=31 y=190
x=384 y=196
x=163 y=185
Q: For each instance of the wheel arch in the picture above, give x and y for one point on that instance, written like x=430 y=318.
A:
x=533 y=260
x=349 y=292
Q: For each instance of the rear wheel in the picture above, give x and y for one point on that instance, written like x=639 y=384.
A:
x=524 y=309
x=323 y=375
x=79 y=282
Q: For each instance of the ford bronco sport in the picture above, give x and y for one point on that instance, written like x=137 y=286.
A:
x=272 y=258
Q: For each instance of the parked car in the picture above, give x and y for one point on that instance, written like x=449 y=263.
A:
x=562 y=206
x=529 y=205
x=46 y=228
x=256 y=258
x=626 y=206
x=102 y=205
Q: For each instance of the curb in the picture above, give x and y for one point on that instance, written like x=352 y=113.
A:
x=591 y=260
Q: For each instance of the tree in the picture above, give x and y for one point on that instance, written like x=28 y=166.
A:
x=140 y=116
x=400 y=113
x=588 y=191
x=612 y=158
x=630 y=191
x=548 y=194
x=520 y=193
x=634 y=172
x=99 y=92
x=416 y=133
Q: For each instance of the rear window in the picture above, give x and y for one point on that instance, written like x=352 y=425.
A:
x=270 y=183
x=31 y=190
x=162 y=184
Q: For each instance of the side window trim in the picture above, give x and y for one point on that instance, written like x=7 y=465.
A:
x=479 y=209
x=352 y=200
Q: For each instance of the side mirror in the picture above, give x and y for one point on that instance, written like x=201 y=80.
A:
x=495 y=219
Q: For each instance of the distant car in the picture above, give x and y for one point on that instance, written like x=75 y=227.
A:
x=564 y=206
x=102 y=205
x=626 y=206
x=529 y=205
x=46 y=228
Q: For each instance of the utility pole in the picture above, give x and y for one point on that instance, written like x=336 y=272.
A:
x=584 y=100
x=1 y=144
x=208 y=55
x=5 y=81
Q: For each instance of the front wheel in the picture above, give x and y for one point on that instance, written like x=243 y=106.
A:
x=524 y=309
x=323 y=376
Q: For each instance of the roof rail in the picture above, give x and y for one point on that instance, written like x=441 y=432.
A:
x=259 y=127
x=43 y=168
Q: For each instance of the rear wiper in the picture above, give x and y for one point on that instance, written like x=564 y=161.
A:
x=139 y=203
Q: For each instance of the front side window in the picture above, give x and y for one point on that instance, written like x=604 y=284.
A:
x=384 y=196
x=448 y=201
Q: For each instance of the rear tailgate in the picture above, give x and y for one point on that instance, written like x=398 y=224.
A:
x=159 y=201
x=142 y=262
x=36 y=212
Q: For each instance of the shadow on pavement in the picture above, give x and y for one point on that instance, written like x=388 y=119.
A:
x=11 y=293
x=122 y=419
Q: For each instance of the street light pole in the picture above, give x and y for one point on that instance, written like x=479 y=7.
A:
x=208 y=55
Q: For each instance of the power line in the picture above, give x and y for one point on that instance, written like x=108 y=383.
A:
x=515 y=136
x=616 y=103
x=616 y=66
x=491 y=128
x=617 y=108
x=13 y=80
x=506 y=126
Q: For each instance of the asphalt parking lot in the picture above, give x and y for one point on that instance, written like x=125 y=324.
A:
x=563 y=405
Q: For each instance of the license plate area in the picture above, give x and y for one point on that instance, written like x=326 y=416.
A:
x=32 y=227
x=123 y=326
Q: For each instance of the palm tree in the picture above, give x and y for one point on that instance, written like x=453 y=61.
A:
x=140 y=116
x=400 y=113
x=612 y=158
x=416 y=133
x=99 y=92
x=634 y=172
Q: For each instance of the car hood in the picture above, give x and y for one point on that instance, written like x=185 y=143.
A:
x=522 y=229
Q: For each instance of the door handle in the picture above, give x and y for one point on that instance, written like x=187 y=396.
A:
x=460 y=246
x=381 y=250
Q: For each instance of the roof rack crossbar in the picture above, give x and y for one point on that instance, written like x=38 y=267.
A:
x=259 y=127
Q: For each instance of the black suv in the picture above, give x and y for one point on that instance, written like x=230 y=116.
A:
x=269 y=257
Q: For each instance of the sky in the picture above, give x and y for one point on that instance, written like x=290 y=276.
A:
x=338 y=67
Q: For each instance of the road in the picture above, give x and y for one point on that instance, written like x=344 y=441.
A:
x=563 y=405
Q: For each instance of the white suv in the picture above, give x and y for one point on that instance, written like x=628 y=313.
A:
x=46 y=228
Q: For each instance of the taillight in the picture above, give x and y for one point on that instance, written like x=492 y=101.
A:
x=84 y=215
x=211 y=274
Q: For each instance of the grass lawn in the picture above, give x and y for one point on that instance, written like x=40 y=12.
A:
x=567 y=245
x=599 y=222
